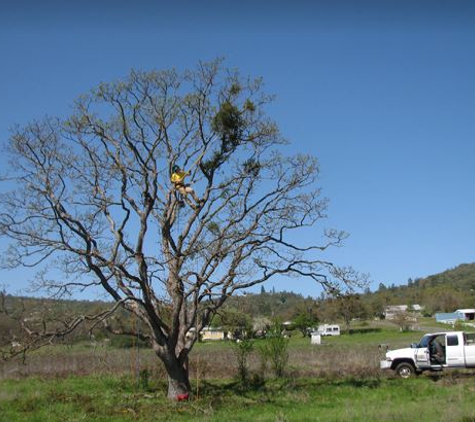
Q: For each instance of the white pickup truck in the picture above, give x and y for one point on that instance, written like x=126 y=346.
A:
x=435 y=352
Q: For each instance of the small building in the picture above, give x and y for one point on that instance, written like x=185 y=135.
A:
x=212 y=333
x=462 y=315
x=391 y=312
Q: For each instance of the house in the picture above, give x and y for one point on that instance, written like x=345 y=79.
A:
x=212 y=333
x=462 y=315
x=391 y=312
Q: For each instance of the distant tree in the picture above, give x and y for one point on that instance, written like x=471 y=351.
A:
x=351 y=307
x=235 y=322
x=91 y=196
x=376 y=305
x=443 y=299
x=305 y=320
x=305 y=316
x=260 y=325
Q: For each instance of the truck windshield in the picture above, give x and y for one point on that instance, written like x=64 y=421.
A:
x=424 y=342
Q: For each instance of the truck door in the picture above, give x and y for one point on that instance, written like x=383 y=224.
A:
x=422 y=353
x=422 y=357
x=454 y=350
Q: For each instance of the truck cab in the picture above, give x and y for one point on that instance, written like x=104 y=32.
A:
x=434 y=352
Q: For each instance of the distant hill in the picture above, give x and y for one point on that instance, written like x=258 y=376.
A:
x=444 y=292
x=461 y=277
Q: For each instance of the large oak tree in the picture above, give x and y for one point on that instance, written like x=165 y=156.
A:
x=91 y=196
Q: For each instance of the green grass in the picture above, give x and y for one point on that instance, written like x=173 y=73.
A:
x=338 y=381
x=392 y=337
x=448 y=398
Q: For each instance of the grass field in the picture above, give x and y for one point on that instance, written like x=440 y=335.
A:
x=338 y=381
x=92 y=398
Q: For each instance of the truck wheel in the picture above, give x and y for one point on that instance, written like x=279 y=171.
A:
x=405 y=370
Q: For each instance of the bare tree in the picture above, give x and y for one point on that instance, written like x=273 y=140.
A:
x=405 y=320
x=350 y=307
x=92 y=195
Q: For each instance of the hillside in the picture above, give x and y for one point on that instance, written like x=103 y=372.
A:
x=444 y=292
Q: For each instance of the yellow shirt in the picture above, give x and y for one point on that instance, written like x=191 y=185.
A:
x=178 y=177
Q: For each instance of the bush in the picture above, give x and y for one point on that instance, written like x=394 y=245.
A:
x=242 y=350
x=362 y=330
x=275 y=350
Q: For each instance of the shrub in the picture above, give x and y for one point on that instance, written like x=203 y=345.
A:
x=242 y=350
x=275 y=350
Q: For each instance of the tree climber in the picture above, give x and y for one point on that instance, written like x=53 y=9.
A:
x=178 y=180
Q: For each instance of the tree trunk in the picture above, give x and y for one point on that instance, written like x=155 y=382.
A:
x=179 y=387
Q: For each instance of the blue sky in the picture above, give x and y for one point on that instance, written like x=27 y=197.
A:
x=382 y=92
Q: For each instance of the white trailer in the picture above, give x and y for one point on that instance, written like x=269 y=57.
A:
x=329 y=330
